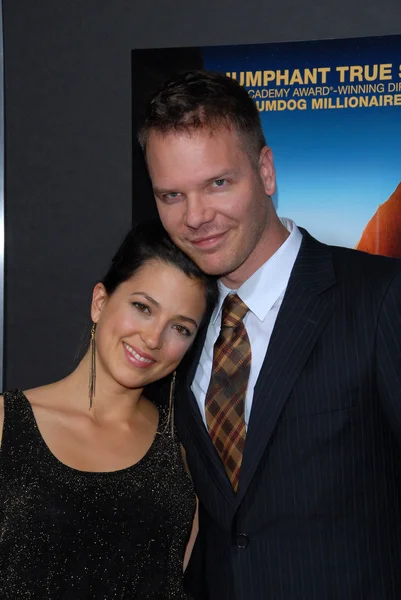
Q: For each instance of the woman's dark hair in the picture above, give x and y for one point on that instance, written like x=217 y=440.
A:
x=150 y=241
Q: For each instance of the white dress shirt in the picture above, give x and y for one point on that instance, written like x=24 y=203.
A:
x=263 y=293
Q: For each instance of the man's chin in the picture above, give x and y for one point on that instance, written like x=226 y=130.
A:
x=215 y=268
x=208 y=262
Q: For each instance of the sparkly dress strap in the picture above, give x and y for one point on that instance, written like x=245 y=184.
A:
x=165 y=424
x=19 y=429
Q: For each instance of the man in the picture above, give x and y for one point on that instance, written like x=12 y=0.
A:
x=291 y=412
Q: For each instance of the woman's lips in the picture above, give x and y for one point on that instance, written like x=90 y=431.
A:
x=138 y=358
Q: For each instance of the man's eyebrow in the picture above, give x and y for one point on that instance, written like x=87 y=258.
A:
x=149 y=298
x=223 y=175
x=158 y=190
x=216 y=177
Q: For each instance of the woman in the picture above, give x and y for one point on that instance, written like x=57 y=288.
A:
x=95 y=501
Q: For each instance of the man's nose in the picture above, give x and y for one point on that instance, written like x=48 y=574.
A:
x=198 y=211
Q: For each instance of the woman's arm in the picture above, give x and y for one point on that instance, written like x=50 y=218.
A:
x=1 y=416
x=192 y=538
x=195 y=523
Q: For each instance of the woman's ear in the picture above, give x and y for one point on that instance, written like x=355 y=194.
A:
x=99 y=299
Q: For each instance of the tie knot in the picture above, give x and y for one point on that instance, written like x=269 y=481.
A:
x=233 y=311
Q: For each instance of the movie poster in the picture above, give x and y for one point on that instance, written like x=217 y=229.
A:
x=331 y=112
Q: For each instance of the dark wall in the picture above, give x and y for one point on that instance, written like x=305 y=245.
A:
x=68 y=140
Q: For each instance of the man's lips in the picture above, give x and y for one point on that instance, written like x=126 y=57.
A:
x=208 y=241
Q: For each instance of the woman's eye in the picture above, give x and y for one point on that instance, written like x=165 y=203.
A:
x=141 y=307
x=182 y=330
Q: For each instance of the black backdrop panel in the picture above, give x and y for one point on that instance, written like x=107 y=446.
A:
x=69 y=141
x=150 y=68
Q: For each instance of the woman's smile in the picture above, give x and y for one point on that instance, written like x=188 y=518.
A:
x=138 y=358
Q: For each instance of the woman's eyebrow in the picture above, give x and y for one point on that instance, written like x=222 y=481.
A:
x=149 y=298
x=184 y=318
x=155 y=303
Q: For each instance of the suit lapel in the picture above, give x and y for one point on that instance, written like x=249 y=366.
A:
x=301 y=319
x=189 y=408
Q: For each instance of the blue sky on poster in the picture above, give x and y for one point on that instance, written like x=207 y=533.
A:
x=334 y=165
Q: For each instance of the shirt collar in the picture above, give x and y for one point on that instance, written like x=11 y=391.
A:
x=268 y=283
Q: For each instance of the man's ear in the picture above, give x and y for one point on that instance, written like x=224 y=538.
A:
x=267 y=171
x=99 y=299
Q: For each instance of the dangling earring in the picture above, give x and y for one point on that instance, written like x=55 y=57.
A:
x=92 y=368
x=170 y=416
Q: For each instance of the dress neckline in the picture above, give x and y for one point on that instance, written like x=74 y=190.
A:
x=102 y=474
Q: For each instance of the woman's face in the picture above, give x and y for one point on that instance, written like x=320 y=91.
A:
x=147 y=325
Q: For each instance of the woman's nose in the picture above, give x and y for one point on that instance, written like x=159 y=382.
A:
x=152 y=337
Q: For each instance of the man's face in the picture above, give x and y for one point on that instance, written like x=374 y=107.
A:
x=211 y=199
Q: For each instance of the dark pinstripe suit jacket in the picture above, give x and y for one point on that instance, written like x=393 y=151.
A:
x=317 y=513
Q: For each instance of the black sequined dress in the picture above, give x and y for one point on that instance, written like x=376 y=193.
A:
x=68 y=535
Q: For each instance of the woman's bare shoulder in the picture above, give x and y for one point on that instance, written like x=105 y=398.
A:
x=45 y=395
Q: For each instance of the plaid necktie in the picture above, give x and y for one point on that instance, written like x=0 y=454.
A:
x=225 y=397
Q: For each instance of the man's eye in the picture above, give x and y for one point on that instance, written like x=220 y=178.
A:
x=219 y=182
x=171 y=196
x=141 y=307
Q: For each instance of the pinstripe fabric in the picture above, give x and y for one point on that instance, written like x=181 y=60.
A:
x=225 y=397
x=319 y=496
